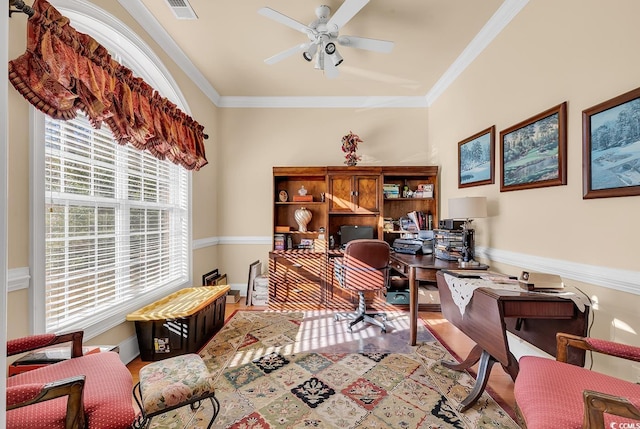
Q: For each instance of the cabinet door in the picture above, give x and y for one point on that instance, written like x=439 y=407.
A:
x=367 y=194
x=340 y=194
x=354 y=194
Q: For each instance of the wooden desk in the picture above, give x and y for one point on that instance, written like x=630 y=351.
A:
x=418 y=268
x=493 y=312
x=317 y=268
x=310 y=264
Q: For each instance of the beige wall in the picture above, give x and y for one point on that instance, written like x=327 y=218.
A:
x=575 y=51
x=256 y=140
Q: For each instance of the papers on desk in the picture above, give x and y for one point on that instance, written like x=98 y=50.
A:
x=485 y=275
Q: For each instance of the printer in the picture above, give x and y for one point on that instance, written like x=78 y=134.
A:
x=422 y=244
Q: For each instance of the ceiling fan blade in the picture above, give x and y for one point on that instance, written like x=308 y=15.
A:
x=384 y=46
x=344 y=13
x=284 y=19
x=330 y=71
x=285 y=54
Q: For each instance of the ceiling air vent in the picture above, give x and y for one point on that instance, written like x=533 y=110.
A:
x=182 y=9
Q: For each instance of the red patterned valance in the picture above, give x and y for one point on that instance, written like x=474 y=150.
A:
x=64 y=70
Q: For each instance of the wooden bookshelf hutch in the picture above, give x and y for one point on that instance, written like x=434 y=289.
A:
x=348 y=196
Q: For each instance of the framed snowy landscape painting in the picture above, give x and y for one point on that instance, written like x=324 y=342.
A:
x=611 y=147
x=476 y=159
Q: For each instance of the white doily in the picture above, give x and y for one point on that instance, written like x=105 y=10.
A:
x=462 y=291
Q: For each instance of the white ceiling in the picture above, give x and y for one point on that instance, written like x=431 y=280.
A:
x=223 y=51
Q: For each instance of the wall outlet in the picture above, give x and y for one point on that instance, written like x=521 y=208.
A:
x=635 y=374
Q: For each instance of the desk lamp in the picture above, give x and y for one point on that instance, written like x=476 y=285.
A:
x=465 y=209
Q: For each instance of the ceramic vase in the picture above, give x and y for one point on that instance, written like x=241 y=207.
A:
x=302 y=217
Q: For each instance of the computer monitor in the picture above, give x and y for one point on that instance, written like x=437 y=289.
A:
x=354 y=232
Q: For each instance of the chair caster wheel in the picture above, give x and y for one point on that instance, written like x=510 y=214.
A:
x=383 y=331
x=336 y=318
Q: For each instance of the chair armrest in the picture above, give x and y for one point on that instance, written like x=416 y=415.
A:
x=564 y=341
x=597 y=403
x=34 y=342
x=73 y=387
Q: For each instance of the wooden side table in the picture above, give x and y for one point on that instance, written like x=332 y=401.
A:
x=51 y=355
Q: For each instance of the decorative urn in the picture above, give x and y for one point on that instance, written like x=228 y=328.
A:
x=302 y=216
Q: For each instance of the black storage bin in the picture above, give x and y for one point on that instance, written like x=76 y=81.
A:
x=164 y=338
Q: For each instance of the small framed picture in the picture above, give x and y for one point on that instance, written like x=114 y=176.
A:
x=283 y=196
x=611 y=147
x=306 y=243
x=476 y=159
x=209 y=279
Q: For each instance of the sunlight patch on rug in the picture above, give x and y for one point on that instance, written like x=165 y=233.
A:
x=304 y=369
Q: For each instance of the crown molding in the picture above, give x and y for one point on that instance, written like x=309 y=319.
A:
x=323 y=102
x=141 y=14
x=503 y=16
x=505 y=13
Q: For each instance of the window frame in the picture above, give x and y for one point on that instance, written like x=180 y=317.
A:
x=115 y=36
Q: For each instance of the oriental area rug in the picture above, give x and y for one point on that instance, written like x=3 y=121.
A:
x=305 y=370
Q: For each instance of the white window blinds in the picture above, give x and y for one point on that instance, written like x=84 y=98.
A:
x=116 y=222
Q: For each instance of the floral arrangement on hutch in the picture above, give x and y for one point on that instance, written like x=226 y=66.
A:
x=350 y=146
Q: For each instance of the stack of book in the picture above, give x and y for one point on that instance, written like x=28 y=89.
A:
x=391 y=190
x=279 y=242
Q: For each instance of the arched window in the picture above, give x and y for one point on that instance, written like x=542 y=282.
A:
x=111 y=224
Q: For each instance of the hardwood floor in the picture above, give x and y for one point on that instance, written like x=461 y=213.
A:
x=459 y=344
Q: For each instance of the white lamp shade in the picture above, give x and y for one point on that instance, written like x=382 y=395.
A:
x=467 y=207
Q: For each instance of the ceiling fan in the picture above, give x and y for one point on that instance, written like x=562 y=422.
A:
x=323 y=34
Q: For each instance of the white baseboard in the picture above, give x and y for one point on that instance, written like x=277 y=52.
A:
x=129 y=349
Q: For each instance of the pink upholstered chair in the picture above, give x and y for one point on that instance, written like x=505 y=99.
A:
x=554 y=394
x=92 y=391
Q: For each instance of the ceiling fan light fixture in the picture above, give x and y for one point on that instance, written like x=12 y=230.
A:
x=323 y=35
x=334 y=55
x=310 y=52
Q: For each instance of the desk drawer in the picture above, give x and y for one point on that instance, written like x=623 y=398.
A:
x=401 y=268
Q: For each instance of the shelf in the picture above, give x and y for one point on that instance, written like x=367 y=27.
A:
x=408 y=199
x=297 y=203
x=298 y=232
x=354 y=196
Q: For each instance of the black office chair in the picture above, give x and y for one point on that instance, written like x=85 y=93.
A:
x=364 y=267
